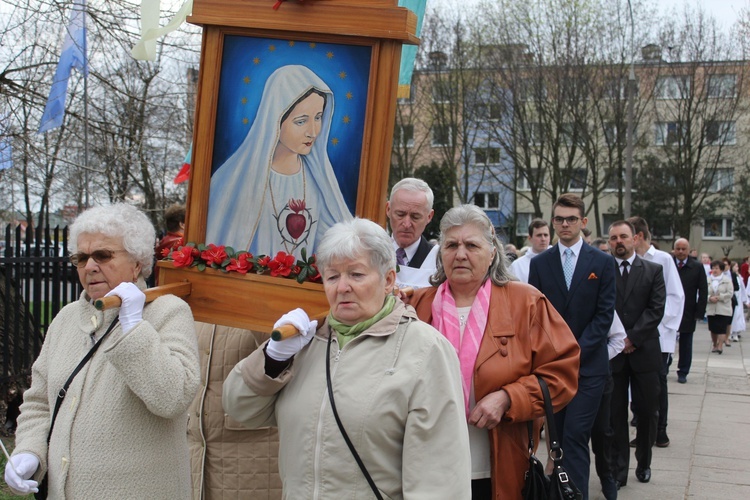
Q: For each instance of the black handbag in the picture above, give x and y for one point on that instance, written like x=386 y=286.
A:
x=558 y=486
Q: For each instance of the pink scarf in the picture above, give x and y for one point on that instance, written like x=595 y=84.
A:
x=445 y=320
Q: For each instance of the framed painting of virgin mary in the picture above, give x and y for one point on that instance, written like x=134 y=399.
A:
x=288 y=143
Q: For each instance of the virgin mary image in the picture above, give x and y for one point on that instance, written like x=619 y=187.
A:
x=278 y=191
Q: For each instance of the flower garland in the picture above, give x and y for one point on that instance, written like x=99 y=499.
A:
x=226 y=259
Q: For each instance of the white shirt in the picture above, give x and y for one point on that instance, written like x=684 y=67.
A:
x=616 y=337
x=413 y=276
x=576 y=248
x=520 y=266
x=675 y=303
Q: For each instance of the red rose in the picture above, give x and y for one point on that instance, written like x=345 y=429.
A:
x=214 y=255
x=281 y=265
x=264 y=261
x=166 y=250
x=317 y=277
x=242 y=264
x=183 y=257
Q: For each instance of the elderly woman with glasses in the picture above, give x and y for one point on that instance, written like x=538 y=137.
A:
x=505 y=334
x=367 y=404
x=120 y=432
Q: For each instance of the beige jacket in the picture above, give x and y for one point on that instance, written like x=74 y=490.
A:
x=120 y=432
x=227 y=459
x=725 y=292
x=397 y=389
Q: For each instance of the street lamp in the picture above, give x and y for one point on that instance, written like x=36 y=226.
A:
x=629 y=133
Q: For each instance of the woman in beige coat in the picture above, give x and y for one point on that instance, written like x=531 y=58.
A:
x=719 y=307
x=227 y=459
x=120 y=432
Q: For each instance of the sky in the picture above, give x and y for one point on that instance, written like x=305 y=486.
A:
x=726 y=12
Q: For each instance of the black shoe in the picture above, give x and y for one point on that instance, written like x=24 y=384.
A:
x=609 y=488
x=632 y=443
x=662 y=440
x=620 y=484
x=643 y=474
x=681 y=379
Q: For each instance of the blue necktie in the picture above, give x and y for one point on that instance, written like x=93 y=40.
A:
x=568 y=267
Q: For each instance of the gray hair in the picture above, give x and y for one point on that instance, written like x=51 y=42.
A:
x=472 y=214
x=119 y=221
x=415 y=185
x=355 y=238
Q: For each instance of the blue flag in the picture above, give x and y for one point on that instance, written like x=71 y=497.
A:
x=73 y=55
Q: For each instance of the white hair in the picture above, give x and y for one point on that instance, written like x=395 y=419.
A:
x=119 y=221
x=354 y=238
x=415 y=185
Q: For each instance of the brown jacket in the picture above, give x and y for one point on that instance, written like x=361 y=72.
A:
x=525 y=336
x=227 y=459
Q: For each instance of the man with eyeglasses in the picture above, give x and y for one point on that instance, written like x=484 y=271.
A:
x=579 y=280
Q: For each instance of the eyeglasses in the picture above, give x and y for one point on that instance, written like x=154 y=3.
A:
x=103 y=256
x=570 y=220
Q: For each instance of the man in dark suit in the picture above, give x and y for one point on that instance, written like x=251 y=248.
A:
x=641 y=295
x=409 y=210
x=694 y=283
x=579 y=281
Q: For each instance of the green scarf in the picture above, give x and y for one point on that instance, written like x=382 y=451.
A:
x=345 y=333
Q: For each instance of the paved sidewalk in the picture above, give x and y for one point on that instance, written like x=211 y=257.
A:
x=709 y=429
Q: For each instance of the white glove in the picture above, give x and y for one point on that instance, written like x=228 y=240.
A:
x=26 y=465
x=282 y=350
x=131 y=310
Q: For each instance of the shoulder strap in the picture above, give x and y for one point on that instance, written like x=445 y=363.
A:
x=64 y=390
x=555 y=448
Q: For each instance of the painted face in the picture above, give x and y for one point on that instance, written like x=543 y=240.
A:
x=681 y=250
x=540 y=239
x=355 y=290
x=98 y=278
x=466 y=255
x=408 y=214
x=621 y=241
x=302 y=126
x=568 y=232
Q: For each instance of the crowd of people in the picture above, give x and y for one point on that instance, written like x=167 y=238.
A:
x=393 y=395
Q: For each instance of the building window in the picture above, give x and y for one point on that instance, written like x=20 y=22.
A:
x=442 y=135
x=672 y=87
x=486 y=200
x=441 y=92
x=668 y=133
x=533 y=134
x=535 y=177
x=575 y=89
x=661 y=229
x=532 y=89
x=719 y=133
x=487 y=156
x=616 y=178
x=492 y=111
x=722 y=86
x=717 y=229
x=577 y=179
x=570 y=131
x=403 y=135
x=608 y=220
x=522 y=223
x=719 y=180
x=615 y=88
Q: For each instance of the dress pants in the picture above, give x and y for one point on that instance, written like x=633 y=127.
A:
x=573 y=424
x=601 y=433
x=686 y=353
x=666 y=358
x=644 y=390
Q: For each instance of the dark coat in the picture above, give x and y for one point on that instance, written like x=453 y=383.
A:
x=694 y=283
x=422 y=251
x=588 y=307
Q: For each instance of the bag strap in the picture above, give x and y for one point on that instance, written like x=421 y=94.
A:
x=555 y=448
x=63 y=392
x=341 y=426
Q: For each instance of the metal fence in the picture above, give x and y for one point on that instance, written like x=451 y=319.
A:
x=36 y=281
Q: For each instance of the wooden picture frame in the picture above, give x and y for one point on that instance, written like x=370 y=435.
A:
x=344 y=28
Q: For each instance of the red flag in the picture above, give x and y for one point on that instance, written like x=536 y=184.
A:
x=184 y=173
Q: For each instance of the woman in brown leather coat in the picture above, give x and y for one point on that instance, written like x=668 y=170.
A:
x=506 y=334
